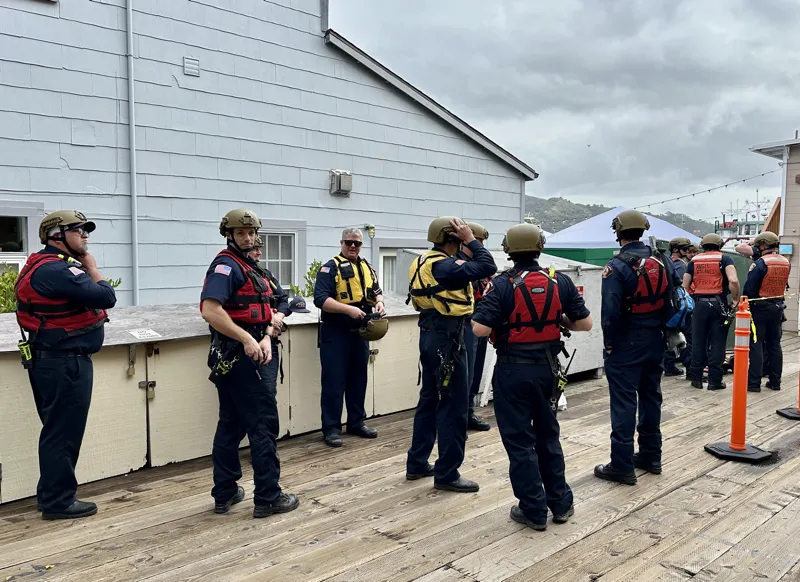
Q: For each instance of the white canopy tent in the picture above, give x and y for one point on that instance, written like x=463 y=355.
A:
x=596 y=233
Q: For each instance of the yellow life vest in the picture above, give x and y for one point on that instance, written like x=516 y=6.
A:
x=426 y=293
x=355 y=282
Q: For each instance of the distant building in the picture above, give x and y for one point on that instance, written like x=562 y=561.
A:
x=237 y=103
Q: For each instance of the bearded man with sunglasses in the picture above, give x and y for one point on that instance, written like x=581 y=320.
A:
x=346 y=291
x=62 y=300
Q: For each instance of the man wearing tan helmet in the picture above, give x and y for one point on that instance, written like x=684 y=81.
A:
x=767 y=281
x=679 y=249
x=62 y=300
x=440 y=289
x=244 y=307
x=709 y=277
x=523 y=310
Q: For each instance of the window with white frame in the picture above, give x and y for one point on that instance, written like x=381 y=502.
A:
x=13 y=237
x=280 y=256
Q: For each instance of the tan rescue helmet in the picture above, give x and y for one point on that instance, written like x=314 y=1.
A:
x=258 y=243
x=478 y=231
x=239 y=218
x=630 y=220
x=523 y=238
x=767 y=238
x=680 y=242
x=374 y=329
x=65 y=220
x=712 y=239
x=440 y=228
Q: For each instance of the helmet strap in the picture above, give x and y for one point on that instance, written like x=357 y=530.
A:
x=63 y=240
x=232 y=243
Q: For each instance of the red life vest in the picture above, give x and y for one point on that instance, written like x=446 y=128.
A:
x=37 y=313
x=252 y=303
x=707 y=277
x=651 y=283
x=479 y=288
x=777 y=277
x=536 y=317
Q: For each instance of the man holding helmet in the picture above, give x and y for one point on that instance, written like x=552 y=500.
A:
x=351 y=300
x=768 y=277
x=636 y=307
x=62 y=300
x=237 y=301
x=440 y=289
x=523 y=309
x=709 y=277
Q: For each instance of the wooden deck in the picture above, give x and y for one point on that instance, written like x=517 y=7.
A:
x=359 y=520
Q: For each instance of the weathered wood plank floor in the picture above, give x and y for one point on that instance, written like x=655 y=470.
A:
x=359 y=520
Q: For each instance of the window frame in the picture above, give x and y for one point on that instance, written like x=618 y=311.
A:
x=298 y=229
x=32 y=212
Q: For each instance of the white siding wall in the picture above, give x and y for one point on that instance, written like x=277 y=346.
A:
x=272 y=111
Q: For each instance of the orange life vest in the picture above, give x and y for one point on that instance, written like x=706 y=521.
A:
x=777 y=277
x=707 y=277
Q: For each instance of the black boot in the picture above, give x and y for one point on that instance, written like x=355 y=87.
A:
x=75 y=511
x=610 y=473
x=333 y=439
x=225 y=506
x=363 y=431
x=477 y=423
x=653 y=467
x=428 y=472
x=284 y=504
x=518 y=516
x=460 y=485
x=717 y=385
x=564 y=517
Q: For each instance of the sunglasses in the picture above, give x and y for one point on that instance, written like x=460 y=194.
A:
x=79 y=229
x=353 y=243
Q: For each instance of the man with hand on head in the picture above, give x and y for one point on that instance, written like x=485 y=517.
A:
x=61 y=302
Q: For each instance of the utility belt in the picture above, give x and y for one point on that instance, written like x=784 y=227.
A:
x=29 y=354
x=230 y=352
x=559 y=376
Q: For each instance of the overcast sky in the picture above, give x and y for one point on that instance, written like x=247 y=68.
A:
x=611 y=101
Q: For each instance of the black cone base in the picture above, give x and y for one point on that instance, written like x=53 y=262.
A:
x=791 y=413
x=751 y=454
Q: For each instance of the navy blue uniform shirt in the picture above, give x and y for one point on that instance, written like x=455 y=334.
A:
x=680 y=268
x=619 y=283
x=58 y=280
x=726 y=261
x=325 y=287
x=755 y=277
x=454 y=273
x=222 y=282
x=498 y=302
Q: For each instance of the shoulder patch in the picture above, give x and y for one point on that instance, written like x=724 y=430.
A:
x=752 y=266
x=607 y=271
x=325 y=270
x=489 y=287
x=223 y=270
x=460 y=262
x=75 y=271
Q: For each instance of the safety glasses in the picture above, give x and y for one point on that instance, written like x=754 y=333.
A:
x=353 y=243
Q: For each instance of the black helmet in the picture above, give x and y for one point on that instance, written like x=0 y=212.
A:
x=298 y=305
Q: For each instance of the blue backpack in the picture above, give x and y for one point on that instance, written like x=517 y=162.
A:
x=684 y=305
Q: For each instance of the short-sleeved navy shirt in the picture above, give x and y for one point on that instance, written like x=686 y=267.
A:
x=325 y=287
x=62 y=280
x=498 y=301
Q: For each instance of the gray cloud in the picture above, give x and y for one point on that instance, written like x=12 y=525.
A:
x=668 y=94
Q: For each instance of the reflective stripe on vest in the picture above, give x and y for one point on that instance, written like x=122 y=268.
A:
x=354 y=283
x=426 y=293
x=36 y=313
x=536 y=317
x=777 y=277
x=707 y=276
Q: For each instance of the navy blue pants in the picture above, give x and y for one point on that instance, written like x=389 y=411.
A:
x=247 y=406
x=62 y=391
x=709 y=335
x=344 y=356
x=471 y=346
x=767 y=319
x=482 y=344
x=529 y=430
x=443 y=414
x=634 y=371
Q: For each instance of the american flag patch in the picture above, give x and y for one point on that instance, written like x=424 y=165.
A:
x=325 y=270
x=223 y=270
x=75 y=271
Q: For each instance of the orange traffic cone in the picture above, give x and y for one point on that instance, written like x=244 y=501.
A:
x=737 y=449
x=793 y=412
